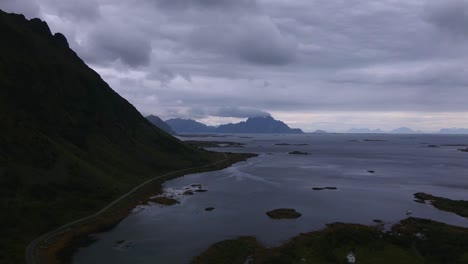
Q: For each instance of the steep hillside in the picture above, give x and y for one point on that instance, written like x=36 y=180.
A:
x=155 y=120
x=68 y=143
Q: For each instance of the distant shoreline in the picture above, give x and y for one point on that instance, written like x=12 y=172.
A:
x=185 y=135
x=59 y=245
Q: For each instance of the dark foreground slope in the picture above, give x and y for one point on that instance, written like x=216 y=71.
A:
x=68 y=143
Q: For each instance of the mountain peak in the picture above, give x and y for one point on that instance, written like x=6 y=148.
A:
x=403 y=130
x=266 y=117
x=188 y=126
x=261 y=124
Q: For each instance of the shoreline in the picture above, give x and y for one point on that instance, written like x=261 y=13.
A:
x=411 y=240
x=59 y=245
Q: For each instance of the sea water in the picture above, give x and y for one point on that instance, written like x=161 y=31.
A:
x=401 y=165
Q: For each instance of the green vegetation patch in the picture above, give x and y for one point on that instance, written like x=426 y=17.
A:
x=235 y=251
x=283 y=213
x=332 y=244
x=412 y=241
x=164 y=200
x=435 y=242
x=458 y=207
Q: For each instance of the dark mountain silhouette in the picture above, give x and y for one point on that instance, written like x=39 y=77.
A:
x=252 y=125
x=161 y=124
x=69 y=144
x=189 y=126
x=401 y=130
x=364 y=130
x=404 y=130
x=259 y=125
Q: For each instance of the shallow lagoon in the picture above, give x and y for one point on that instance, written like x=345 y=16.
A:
x=241 y=194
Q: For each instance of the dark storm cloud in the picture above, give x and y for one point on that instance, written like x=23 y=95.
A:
x=449 y=15
x=75 y=10
x=240 y=112
x=252 y=39
x=232 y=58
x=112 y=44
x=224 y=111
x=264 y=44
x=340 y=34
x=223 y=4
x=166 y=75
x=448 y=74
x=27 y=7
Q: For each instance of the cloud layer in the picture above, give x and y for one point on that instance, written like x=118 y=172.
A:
x=298 y=60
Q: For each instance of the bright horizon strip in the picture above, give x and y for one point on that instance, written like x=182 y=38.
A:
x=343 y=121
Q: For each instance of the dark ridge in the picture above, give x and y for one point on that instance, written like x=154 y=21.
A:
x=189 y=126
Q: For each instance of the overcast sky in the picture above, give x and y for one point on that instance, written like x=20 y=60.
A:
x=315 y=64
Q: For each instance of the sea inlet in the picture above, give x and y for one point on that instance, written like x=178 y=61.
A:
x=369 y=177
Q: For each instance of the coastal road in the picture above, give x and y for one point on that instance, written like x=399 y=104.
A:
x=32 y=248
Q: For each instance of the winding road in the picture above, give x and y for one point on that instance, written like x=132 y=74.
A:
x=32 y=248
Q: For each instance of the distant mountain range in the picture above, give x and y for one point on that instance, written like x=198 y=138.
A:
x=406 y=130
x=453 y=131
x=268 y=125
x=160 y=124
x=364 y=131
x=261 y=125
x=253 y=125
x=401 y=130
x=189 y=126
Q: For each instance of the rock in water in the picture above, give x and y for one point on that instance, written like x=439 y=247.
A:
x=283 y=213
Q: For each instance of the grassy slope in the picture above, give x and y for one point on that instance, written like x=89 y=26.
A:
x=458 y=207
x=68 y=143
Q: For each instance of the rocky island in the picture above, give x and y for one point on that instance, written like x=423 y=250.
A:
x=283 y=213
x=253 y=125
